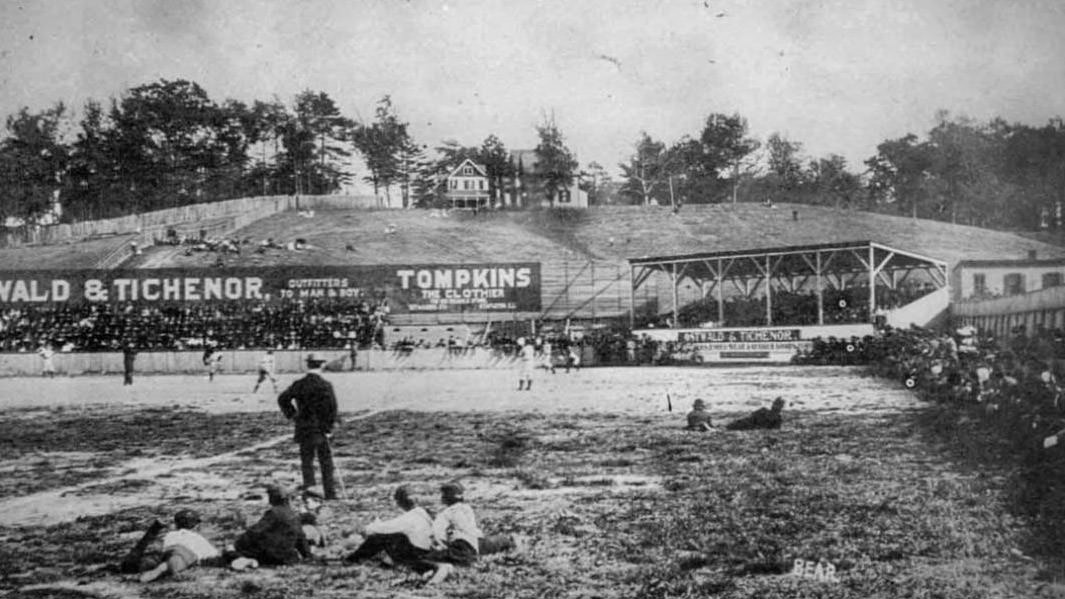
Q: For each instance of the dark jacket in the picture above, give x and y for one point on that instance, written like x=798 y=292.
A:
x=311 y=402
x=760 y=418
x=277 y=539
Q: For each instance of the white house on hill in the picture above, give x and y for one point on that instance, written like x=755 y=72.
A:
x=467 y=186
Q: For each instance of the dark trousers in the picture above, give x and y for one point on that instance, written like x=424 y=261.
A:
x=396 y=545
x=459 y=553
x=495 y=544
x=128 y=376
x=316 y=444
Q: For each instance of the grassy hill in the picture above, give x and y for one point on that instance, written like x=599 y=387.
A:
x=82 y=254
x=611 y=234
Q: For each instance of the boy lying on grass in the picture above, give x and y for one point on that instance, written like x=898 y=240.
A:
x=278 y=538
x=183 y=548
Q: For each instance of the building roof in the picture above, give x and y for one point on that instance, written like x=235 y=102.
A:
x=847 y=256
x=1007 y=263
x=477 y=167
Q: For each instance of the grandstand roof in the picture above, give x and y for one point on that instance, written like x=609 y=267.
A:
x=794 y=260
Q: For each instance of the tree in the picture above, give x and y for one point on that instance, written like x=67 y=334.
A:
x=381 y=144
x=315 y=141
x=900 y=172
x=33 y=160
x=594 y=181
x=832 y=183
x=715 y=163
x=555 y=164
x=268 y=123
x=496 y=160
x=785 y=164
x=646 y=171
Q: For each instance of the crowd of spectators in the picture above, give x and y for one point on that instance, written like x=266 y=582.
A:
x=1015 y=381
x=296 y=325
x=846 y=306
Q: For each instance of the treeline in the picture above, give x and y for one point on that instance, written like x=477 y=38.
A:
x=167 y=144
x=993 y=174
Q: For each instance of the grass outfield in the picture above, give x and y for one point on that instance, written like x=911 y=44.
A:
x=617 y=500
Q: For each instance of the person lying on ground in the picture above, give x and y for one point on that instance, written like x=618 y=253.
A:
x=760 y=418
x=277 y=539
x=183 y=548
x=699 y=418
x=140 y=559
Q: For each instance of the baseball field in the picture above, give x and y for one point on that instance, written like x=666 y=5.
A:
x=593 y=467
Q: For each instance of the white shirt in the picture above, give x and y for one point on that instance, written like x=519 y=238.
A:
x=267 y=363
x=415 y=524
x=191 y=540
x=456 y=522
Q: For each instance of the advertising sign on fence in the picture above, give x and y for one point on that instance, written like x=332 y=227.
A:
x=407 y=288
x=754 y=344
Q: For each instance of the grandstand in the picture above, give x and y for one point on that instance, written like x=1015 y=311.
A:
x=862 y=281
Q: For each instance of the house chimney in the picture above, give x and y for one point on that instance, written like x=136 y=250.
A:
x=1032 y=254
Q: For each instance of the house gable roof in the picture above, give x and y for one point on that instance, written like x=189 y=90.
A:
x=476 y=167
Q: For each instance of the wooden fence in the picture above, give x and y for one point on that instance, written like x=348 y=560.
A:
x=154 y=225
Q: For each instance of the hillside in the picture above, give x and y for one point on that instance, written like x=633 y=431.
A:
x=611 y=234
x=82 y=254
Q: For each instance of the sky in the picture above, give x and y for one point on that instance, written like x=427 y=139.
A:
x=837 y=76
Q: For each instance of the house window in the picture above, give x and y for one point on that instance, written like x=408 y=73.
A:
x=453 y=184
x=468 y=170
x=1051 y=279
x=1013 y=283
x=465 y=183
x=980 y=284
x=480 y=184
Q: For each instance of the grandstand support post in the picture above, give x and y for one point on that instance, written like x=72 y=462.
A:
x=632 y=297
x=675 y=322
x=768 y=293
x=872 y=285
x=720 y=293
x=820 y=291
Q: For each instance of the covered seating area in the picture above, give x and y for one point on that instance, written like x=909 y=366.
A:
x=842 y=282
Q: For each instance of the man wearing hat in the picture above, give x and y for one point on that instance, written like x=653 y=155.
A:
x=312 y=405
x=699 y=418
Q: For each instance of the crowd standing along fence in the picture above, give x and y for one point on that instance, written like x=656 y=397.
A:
x=286 y=361
x=1014 y=315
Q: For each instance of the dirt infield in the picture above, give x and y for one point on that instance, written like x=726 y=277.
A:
x=617 y=499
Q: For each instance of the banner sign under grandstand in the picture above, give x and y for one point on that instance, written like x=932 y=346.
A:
x=765 y=344
x=407 y=288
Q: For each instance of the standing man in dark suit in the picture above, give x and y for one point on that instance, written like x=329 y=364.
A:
x=312 y=405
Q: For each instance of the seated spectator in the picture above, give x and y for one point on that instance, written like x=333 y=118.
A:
x=277 y=539
x=699 y=418
x=760 y=418
x=405 y=539
x=455 y=536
